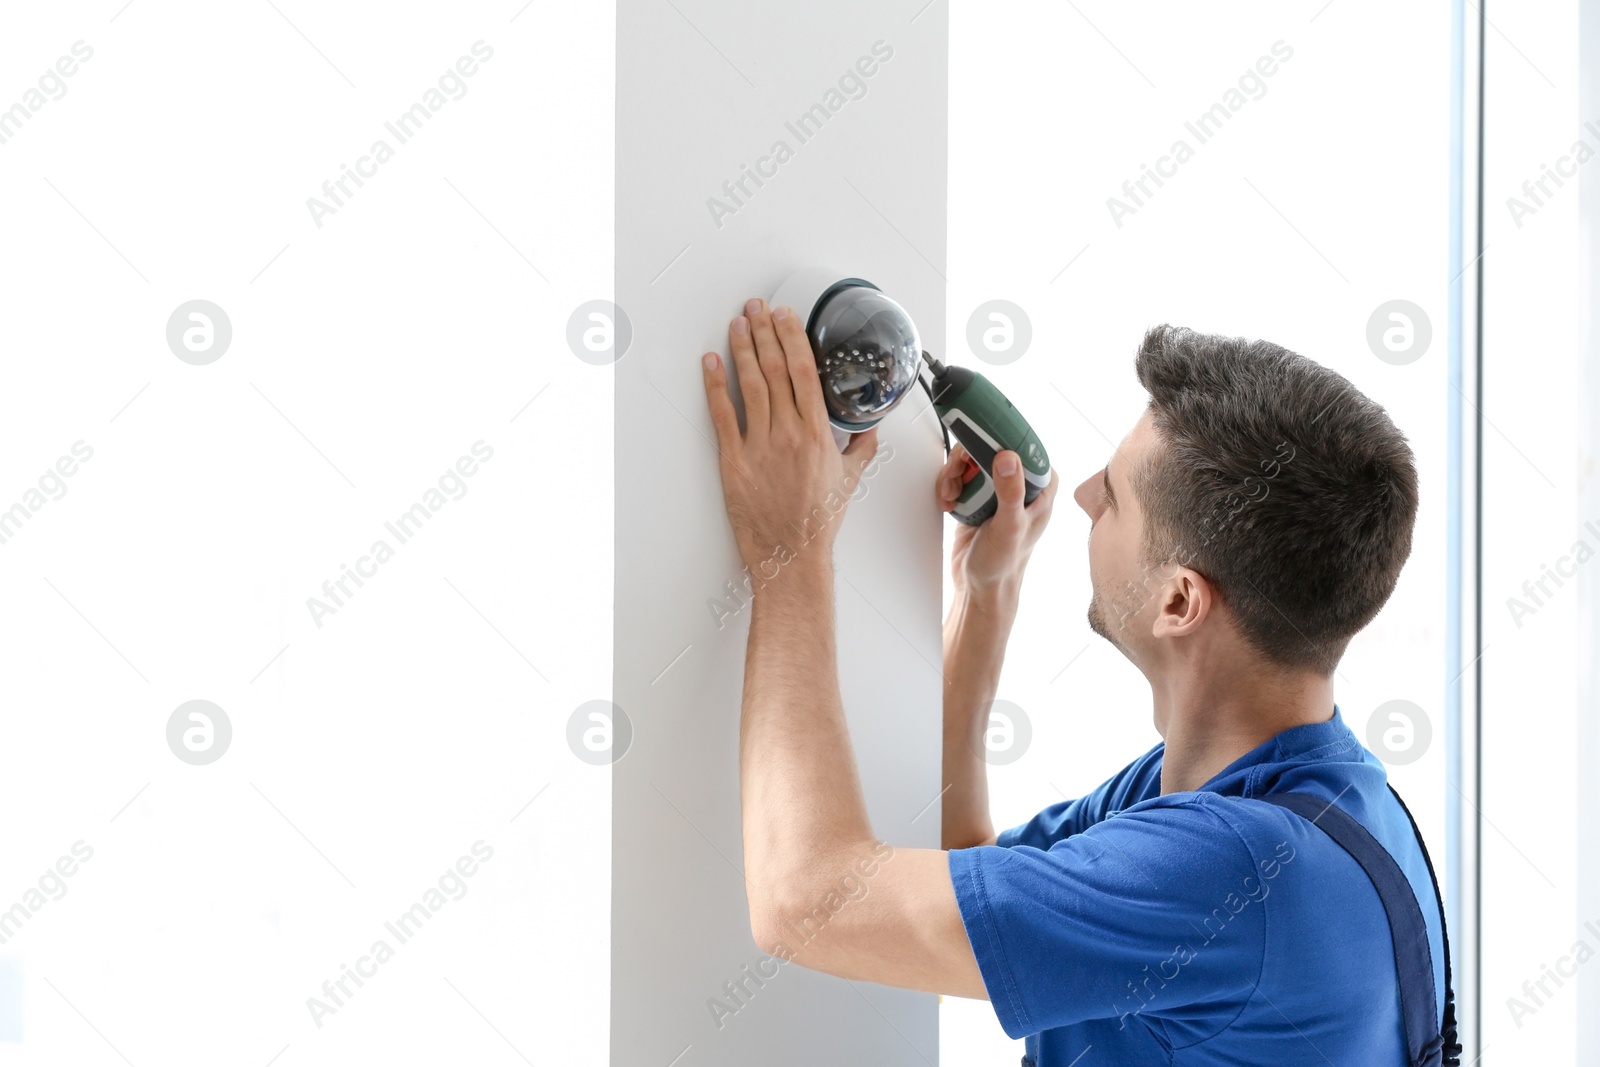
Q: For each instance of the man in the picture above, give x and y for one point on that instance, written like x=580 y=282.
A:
x=1252 y=521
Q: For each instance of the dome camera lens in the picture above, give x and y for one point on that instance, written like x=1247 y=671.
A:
x=868 y=354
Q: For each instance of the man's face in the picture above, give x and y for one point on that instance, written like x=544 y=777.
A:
x=1123 y=589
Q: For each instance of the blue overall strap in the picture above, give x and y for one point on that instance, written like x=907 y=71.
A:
x=1452 y=1046
x=1413 y=957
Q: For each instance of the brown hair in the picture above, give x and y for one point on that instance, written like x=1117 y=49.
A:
x=1283 y=484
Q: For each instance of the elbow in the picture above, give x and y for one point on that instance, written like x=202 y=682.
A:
x=763 y=925
x=764 y=909
x=791 y=909
x=769 y=908
x=769 y=932
x=791 y=936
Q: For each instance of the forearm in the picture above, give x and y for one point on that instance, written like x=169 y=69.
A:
x=975 y=635
x=804 y=816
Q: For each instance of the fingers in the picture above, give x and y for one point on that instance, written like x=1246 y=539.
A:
x=774 y=364
x=958 y=469
x=1047 y=497
x=1026 y=520
x=1009 y=489
x=860 y=449
x=858 y=453
x=803 y=376
x=723 y=418
x=752 y=383
x=954 y=462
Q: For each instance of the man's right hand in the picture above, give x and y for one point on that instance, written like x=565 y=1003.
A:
x=994 y=555
x=986 y=563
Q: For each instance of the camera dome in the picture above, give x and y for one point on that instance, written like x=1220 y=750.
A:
x=867 y=351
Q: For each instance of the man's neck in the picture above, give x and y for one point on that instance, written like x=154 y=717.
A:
x=1205 y=730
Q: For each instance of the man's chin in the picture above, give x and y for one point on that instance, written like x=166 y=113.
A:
x=1097 y=623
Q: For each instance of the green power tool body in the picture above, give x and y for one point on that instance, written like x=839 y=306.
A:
x=985 y=423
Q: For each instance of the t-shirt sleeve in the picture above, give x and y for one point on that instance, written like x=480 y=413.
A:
x=1065 y=818
x=1155 y=911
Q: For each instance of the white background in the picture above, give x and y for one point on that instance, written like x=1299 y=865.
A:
x=428 y=711
x=370 y=353
x=1531 y=481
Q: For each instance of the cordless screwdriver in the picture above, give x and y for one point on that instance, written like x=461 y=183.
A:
x=985 y=423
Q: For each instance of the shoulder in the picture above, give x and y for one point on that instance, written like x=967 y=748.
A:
x=1209 y=830
x=1194 y=838
x=1202 y=810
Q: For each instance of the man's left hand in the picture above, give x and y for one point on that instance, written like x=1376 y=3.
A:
x=784 y=481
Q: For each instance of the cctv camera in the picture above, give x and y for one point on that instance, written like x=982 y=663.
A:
x=867 y=350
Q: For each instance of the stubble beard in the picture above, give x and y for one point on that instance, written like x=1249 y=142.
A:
x=1097 y=619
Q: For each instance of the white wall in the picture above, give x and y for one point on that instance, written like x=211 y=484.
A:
x=1587 y=598
x=370 y=752
x=705 y=87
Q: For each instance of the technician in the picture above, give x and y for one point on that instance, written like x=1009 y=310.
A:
x=1253 y=520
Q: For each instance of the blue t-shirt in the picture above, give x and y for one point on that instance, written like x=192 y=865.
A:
x=1199 y=928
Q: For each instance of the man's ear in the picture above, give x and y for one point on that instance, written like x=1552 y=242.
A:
x=1186 y=600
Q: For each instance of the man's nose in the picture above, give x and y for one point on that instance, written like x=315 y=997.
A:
x=1084 y=495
